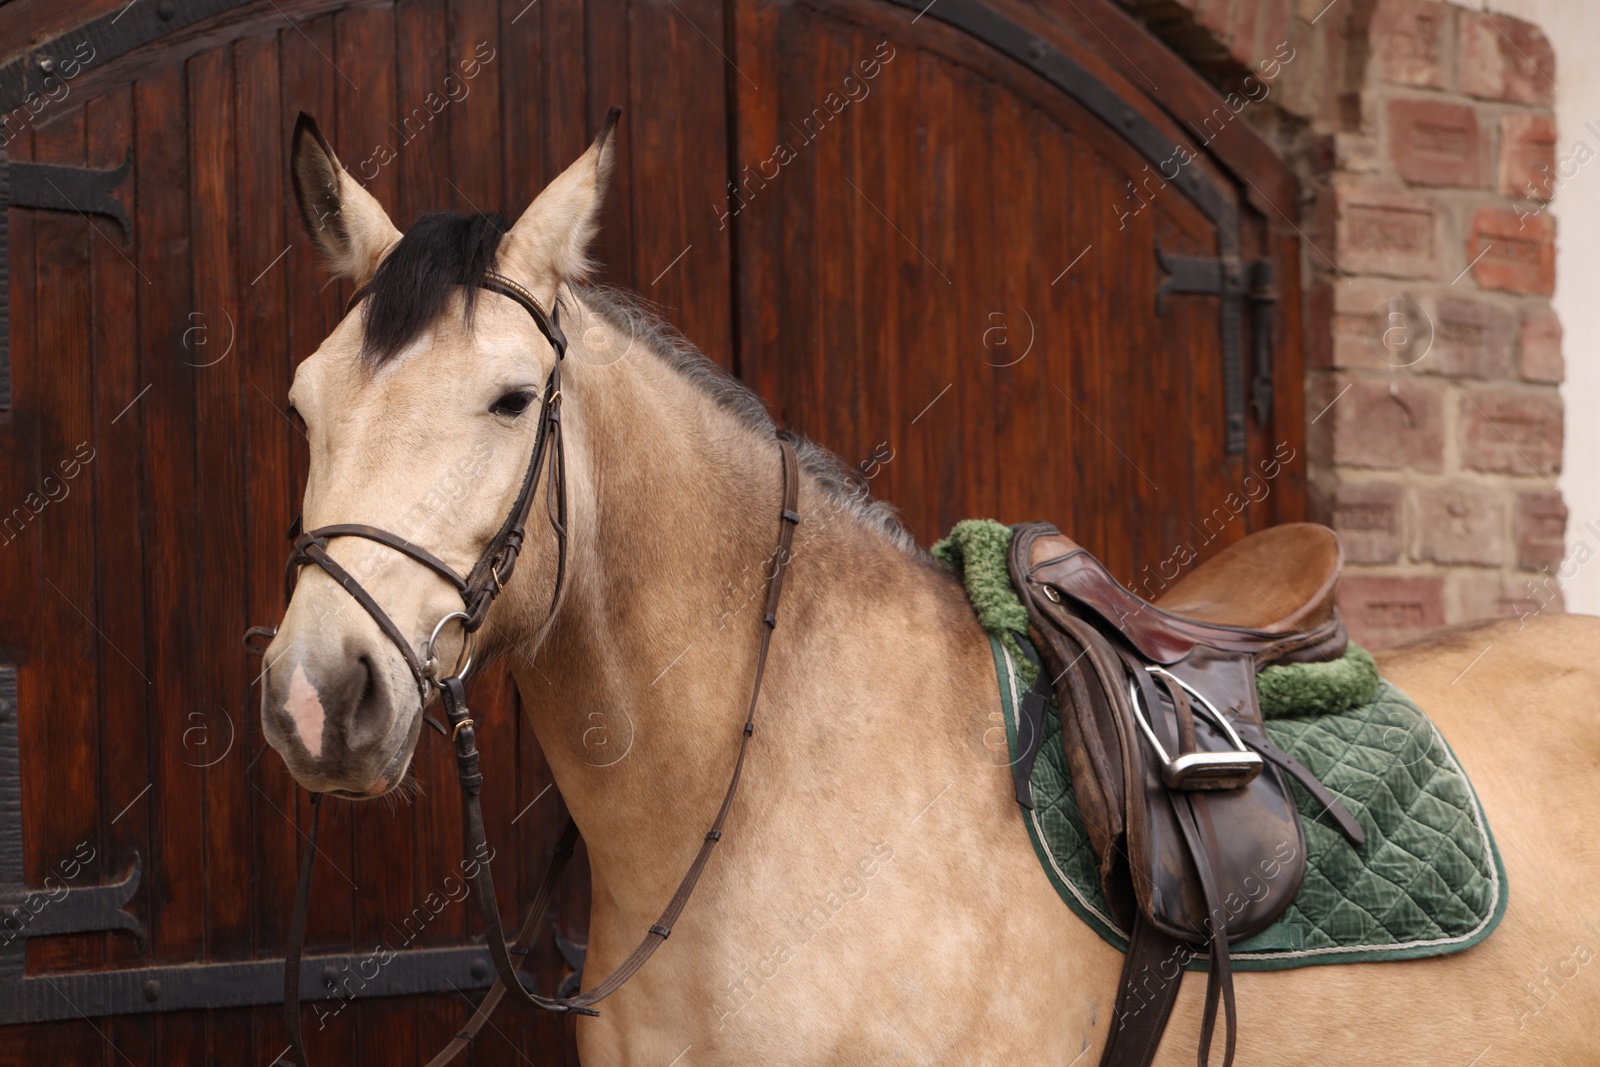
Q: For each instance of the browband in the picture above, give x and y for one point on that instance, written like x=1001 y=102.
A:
x=490 y=280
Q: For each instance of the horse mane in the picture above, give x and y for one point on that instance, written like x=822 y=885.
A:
x=448 y=249
x=628 y=312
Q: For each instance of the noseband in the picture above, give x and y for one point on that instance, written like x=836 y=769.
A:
x=478 y=588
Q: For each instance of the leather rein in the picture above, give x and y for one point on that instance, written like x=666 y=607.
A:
x=478 y=589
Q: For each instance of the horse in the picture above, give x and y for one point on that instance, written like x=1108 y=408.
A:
x=875 y=898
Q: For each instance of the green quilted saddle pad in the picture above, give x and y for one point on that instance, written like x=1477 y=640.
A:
x=1428 y=881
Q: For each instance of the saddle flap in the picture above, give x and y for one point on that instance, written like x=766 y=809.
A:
x=1252 y=835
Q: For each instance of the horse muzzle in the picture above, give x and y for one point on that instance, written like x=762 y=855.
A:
x=345 y=720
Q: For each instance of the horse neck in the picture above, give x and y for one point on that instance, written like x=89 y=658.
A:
x=639 y=688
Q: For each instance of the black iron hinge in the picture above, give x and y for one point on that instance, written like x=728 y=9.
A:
x=1235 y=281
x=50 y=187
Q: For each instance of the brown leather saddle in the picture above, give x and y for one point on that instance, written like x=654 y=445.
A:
x=1185 y=799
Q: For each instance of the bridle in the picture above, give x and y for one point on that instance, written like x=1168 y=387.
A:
x=478 y=589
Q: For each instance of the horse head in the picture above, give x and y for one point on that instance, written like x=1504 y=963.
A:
x=421 y=409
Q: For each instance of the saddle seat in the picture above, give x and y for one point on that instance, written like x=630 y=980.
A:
x=1264 y=595
x=1277 y=580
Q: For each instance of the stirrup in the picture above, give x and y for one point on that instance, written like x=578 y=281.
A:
x=1198 y=770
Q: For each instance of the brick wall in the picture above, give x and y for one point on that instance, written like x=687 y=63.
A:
x=1425 y=139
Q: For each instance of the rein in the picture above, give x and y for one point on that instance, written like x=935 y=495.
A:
x=478 y=589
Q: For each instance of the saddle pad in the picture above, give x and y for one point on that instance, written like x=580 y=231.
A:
x=1429 y=880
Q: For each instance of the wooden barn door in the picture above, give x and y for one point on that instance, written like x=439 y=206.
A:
x=910 y=229
x=951 y=219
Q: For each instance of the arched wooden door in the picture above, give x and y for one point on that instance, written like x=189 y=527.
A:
x=910 y=228
x=950 y=219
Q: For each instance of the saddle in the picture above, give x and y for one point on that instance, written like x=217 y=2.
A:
x=1185 y=799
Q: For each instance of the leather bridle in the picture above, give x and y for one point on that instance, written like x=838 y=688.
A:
x=478 y=589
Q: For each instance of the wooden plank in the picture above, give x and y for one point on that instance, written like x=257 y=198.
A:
x=938 y=416
x=1087 y=446
x=973 y=298
x=890 y=118
x=754 y=237
x=1015 y=356
x=676 y=123
x=832 y=388
x=1289 y=414
x=58 y=734
x=882 y=156
x=19 y=446
x=427 y=105
x=476 y=123
x=219 y=490
x=119 y=552
x=262 y=276
x=264 y=369
x=172 y=642
x=520 y=62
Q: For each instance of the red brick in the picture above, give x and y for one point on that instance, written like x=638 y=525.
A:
x=1460 y=523
x=1540 y=528
x=1539 y=357
x=1471 y=339
x=1435 y=143
x=1504 y=58
x=1372 y=427
x=1518 y=251
x=1367 y=515
x=1515 y=429
x=1386 y=231
x=1498 y=595
x=1410 y=41
x=1528 y=156
x=1378 y=326
x=1380 y=610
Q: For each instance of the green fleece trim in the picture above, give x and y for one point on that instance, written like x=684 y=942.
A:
x=1318 y=688
x=976 y=548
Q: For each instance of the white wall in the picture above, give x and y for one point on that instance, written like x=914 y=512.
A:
x=1573 y=27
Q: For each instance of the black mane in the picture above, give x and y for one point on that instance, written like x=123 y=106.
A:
x=412 y=285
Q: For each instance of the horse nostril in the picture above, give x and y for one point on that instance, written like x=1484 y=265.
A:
x=367 y=684
x=370 y=713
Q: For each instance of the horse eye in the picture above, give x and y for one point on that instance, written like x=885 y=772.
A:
x=512 y=404
x=296 y=420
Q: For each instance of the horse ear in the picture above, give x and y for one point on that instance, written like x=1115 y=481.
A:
x=552 y=237
x=346 y=223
